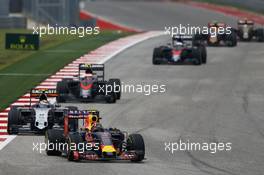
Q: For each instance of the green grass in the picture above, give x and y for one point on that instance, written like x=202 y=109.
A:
x=230 y=4
x=56 y=51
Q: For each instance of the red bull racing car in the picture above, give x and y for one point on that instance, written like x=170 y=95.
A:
x=182 y=51
x=89 y=85
x=86 y=139
x=219 y=35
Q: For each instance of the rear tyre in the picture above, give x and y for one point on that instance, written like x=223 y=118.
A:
x=231 y=39
x=62 y=90
x=203 y=54
x=117 y=87
x=52 y=139
x=260 y=35
x=13 y=119
x=156 y=56
x=197 y=55
x=135 y=142
x=197 y=39
x=111 y=98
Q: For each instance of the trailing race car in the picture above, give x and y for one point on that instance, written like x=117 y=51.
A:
x=88 y=140
x=89 y=85
x=218 y=35
x=182 y=51
x=246 y=31
x=38 y=117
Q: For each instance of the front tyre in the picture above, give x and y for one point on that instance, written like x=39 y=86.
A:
x=52 y=139
x=135 y=142
x=13 y=119
x=73 y=154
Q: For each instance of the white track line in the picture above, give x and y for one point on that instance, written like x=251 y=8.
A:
x=9 y=138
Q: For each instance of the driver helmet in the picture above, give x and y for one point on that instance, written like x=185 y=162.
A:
x=178 y=44
x=43 y=99
x=88 y=71
x=89 y=122
x=88 y=74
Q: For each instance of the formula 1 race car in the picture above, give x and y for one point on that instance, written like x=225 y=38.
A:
x=89 y=85
x=182 y=51
x=38 y=117
x=88 y=140
x=246 y=31
x=218 y=35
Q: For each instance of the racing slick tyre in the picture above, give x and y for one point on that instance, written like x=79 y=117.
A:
x=231 y=39
x=156 y=55
x=74 y=139
x=111 y=98
x=110 y=93
x=52 y=139
x=203 y=54
x=197 y=39
x=62 y=90
x=13 y=119
x=260 y=35
x=117 y=86
x=135 y=142
x=198 y=56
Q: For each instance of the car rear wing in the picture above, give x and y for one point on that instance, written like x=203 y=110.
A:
x=38 y=92
x=49 y=92
x=182 y=37
x=80 y=114
x=76 y=115
x=217 y=24
x=97 y=69
x=242 y=22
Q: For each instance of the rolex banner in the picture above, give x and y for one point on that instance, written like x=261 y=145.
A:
x=22 y=41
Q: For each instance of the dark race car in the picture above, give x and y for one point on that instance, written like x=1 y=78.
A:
x=182 y=51
x=88 y=140
x=89 y=85
x=246 y=31
x=36 y=118
x=218 y=36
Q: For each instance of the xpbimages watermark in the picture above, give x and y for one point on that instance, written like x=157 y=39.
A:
x=63 y=30
x=212 y=147
x=80 y=147
x=143 y=88
x=191 y=30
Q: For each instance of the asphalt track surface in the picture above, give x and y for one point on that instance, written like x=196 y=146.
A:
x=221 y=101
x=255 y=5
